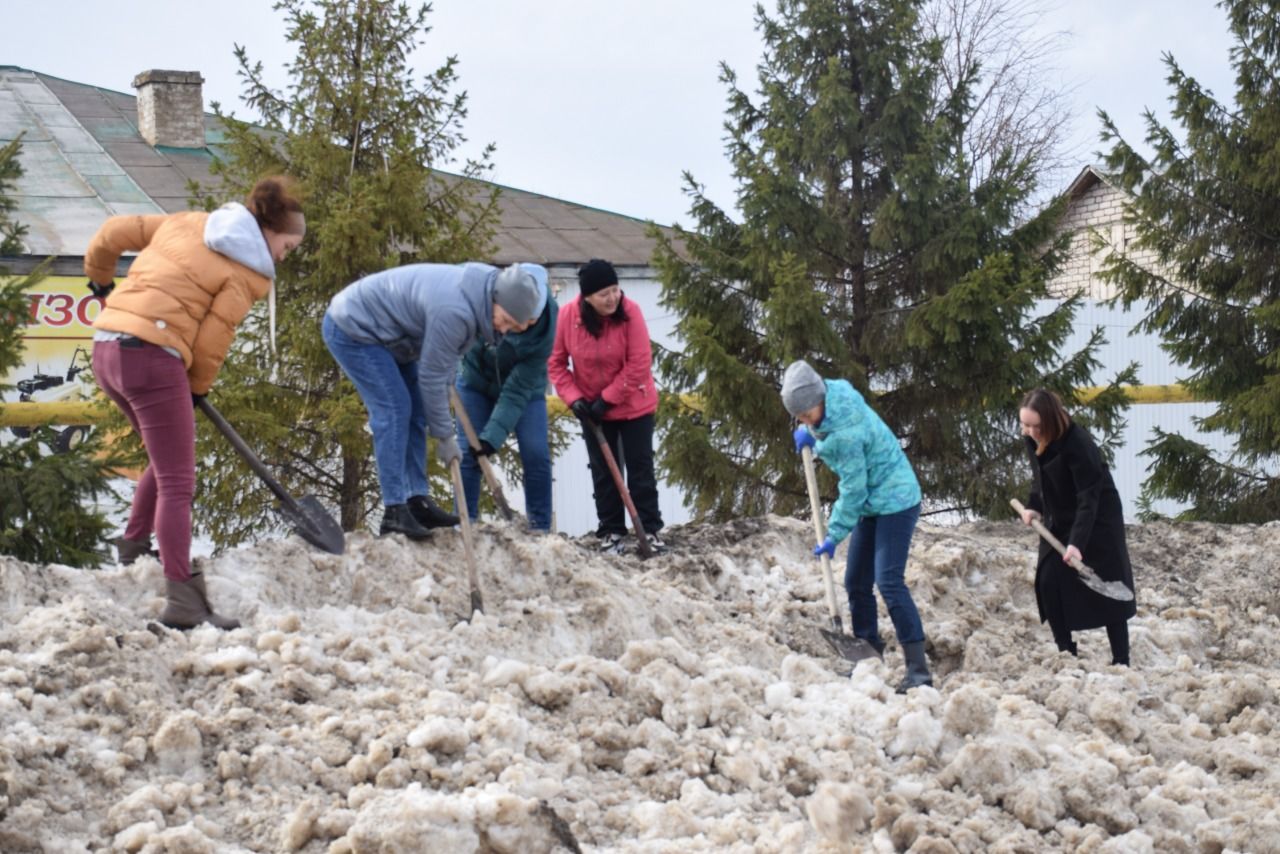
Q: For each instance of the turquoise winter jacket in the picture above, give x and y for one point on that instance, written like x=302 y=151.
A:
x=876 y=478
x=511 y=373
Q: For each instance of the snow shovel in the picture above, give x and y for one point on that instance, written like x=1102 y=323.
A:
x=460 y=498
x=1110 y=589
x=642 y=541
x=848 y=647
x=485 y=466
x=307 y=515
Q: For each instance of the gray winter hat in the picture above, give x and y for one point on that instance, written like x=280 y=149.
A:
x=802 y=388
x=519 y=292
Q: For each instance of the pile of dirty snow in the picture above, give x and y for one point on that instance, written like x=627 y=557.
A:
x=687 y=703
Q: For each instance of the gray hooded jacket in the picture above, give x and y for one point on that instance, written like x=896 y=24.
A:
x=426 y=312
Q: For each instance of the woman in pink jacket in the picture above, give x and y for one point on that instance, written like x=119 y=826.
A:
x=601 y=365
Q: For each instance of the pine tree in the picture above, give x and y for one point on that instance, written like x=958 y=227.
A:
x=363 y=137
x=1205 y=204
x=48 y=501
x=867 y=245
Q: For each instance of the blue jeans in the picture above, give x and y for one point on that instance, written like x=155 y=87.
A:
x=535 y=454
x=396 y=416
x=878 y=549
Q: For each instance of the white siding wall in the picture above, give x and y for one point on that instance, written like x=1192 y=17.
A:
x=1154 y=368
x=1100 y=209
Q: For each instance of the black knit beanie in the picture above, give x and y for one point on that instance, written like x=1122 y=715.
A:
x=596 y=275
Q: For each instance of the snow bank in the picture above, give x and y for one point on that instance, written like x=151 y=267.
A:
x=687 y=703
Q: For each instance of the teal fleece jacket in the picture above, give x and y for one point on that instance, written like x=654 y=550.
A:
x=511 y=373
x=876 y=478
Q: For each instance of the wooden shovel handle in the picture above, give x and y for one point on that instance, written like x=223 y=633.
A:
x=495 y=486
x=819 y=531
x=1048 y=536
x=468 y=550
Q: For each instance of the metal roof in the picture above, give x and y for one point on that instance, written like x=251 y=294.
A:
x=84 y=160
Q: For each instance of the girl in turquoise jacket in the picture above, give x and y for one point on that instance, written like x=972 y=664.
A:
x=877 y=508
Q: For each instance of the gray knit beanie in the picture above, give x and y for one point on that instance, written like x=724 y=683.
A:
x=802 y=388
x=517 y=291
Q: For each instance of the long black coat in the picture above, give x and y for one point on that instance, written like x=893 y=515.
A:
x=1073 y=490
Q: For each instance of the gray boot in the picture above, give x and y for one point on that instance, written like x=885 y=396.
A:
x=917 y=667
x=186 y=605
x=128 y=551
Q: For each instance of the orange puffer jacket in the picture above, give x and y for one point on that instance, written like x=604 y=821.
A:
x=179 y=293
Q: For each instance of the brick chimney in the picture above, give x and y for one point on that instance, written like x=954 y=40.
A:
x=171 y=108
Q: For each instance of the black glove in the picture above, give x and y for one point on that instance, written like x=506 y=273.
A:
x=196 y=398
x=599 y=408
x=485 y=449
x=582 y=408
x=101 y=291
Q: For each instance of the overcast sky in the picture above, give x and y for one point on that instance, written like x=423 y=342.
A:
x=600 y=102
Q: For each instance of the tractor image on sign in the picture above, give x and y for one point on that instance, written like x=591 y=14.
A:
x=55 y=388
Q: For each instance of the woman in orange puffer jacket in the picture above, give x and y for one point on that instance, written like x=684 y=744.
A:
x=160 y=341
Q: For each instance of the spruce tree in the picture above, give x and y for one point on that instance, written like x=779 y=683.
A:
x=1205 y=263
x=49 y=502
x=867 y=244
x=363 y=135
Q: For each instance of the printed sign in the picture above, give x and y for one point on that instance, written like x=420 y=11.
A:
x=58 y=344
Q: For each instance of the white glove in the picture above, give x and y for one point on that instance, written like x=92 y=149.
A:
x=447 y=450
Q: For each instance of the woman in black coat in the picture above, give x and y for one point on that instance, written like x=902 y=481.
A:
x=1072 y=489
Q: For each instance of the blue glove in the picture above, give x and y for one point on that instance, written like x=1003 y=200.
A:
x=804 y=439
x=826 y=547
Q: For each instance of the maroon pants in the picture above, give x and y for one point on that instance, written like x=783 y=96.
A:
x=151 y=386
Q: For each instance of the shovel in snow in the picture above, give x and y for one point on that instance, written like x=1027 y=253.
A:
x=846 y=646
x=1111 y=589
x=307 y=515
x=468 y=549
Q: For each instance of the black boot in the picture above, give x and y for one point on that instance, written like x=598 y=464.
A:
x=429 y=514
x=917 y=667
x=399 y=519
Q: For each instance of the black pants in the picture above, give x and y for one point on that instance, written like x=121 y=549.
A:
x=632 y=445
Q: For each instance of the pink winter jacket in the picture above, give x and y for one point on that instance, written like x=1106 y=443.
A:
x=615 y=366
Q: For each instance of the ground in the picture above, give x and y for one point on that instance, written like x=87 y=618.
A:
x=686 y=703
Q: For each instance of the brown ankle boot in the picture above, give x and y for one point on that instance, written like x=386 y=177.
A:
x=186 y=605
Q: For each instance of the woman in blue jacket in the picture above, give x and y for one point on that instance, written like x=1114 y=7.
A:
x=503 y=387
x=878 y=506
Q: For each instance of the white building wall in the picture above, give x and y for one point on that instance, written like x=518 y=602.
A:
x=1100 y=211
x=1123 y=346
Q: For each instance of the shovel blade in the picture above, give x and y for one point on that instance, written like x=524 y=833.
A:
x=314 y=524
x=1111 y=589
x=849 y=647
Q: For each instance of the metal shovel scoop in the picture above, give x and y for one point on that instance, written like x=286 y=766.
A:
x=1111 y=589
x=307 y=515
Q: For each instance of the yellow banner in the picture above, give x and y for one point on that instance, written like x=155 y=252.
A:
x=58 y=338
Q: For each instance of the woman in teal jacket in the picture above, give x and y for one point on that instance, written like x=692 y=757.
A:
x=503 y=387
x=878 y=506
